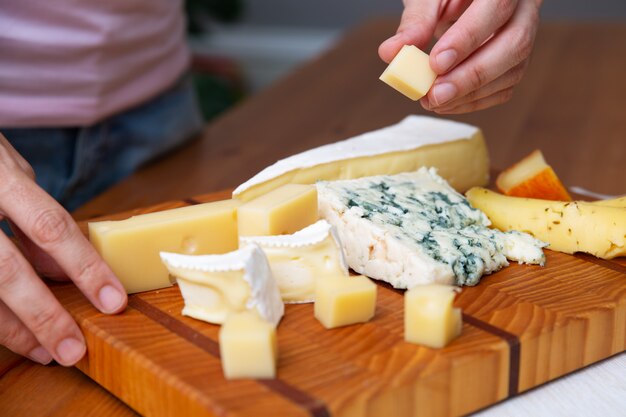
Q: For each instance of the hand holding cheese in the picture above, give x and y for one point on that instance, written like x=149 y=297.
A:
x=481 y=54
x=32 y=322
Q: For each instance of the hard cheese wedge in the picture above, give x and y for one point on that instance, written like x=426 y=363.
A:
x=568 y=227
x=283 y=210
x=300 y=259
x=340 y=300
x=410 y=73
x=248 y=347
x=532 y=177
x=216 y=286
x=613 y=202
x=457 y=150
x=131 y=247
x=429 y=318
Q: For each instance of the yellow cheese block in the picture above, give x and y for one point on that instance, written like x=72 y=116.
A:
x=457 y=150
x=248 y=347
x=568 y=227
x=410 y=73
x=613 y=202
x=429 y=318
x=342 y=300
x=131 y=247
x=281 y=211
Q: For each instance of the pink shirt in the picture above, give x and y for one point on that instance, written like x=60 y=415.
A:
x=75 y=62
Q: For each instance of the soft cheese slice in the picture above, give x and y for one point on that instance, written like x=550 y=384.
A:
x=131 y=247
x=300 y=259
x=456 y=149
x=217 y=286
x=248 y=347
x=413 y=228
x=283 y=210
x=409 y=73
x=429 y=317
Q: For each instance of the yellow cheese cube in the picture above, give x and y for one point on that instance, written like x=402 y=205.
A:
x=248 y=347
x=283 y=210
x=429 y=318
x=342 y=300
x=131 y=247
x=410 y=73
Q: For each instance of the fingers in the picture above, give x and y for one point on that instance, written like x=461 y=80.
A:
x=52 y=229
x=479 y=22
x=15 y=157
x=510 y=47
x=43 y=263
x=15 y=336
x=504 y=82
x=31 y=301
x=480 y=104
x=417 y=26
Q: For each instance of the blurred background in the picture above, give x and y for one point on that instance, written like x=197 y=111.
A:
x=242 y=46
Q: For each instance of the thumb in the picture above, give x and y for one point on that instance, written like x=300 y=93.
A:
x=417 y=27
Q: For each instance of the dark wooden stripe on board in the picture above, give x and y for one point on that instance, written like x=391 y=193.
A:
x=314 y=406
x=514 y=349
x=601 y=262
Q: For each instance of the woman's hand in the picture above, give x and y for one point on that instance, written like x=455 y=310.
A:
x=32 y=322
x=482 y=51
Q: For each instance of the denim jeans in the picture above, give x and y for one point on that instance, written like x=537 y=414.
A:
x=74 y=164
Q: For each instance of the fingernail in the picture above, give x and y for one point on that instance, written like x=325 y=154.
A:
x=444 y=92
x=41 y=355
x=110 y=298
x=446 y=59
x=70 y=351
x=425 y=103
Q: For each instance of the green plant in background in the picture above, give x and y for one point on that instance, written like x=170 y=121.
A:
x=217 y=91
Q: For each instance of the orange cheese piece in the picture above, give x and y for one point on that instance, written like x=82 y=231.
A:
x=532 y=177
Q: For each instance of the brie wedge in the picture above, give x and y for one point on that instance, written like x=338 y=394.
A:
x=299 y=259
x=217 y=286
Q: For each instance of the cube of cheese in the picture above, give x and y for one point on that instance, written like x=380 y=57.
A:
x=410 y=73
x=429 y=318
x=248 y=347
x=341 y=300
x=298 y=260
x=215 y=287
x=131 y=247
x=283 y=210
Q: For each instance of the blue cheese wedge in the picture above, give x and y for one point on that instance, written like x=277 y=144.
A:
x=456 y=149
x=215 y=287
x=413 y=228
x=299 y=259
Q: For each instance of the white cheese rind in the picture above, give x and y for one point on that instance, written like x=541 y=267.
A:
x=411 y=133
x=264 y=296
x=411 y=229
x=299 y=259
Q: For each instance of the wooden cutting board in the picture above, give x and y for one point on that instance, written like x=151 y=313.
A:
x=523 y=326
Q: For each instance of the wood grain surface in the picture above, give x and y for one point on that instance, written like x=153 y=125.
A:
x=523 y=326
x=570 y=105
